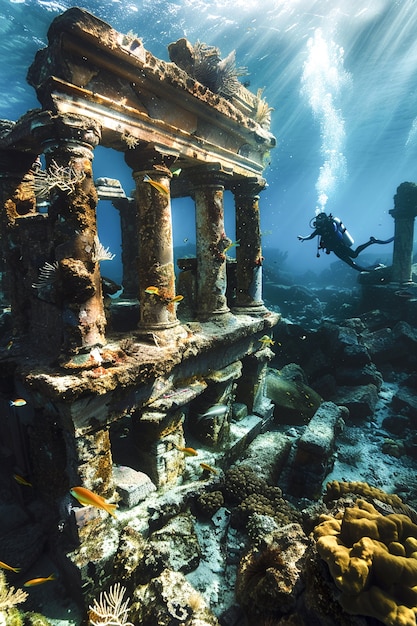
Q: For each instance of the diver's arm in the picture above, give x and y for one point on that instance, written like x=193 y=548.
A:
x=313 y=234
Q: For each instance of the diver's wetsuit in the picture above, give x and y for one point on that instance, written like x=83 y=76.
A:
x=331 y=240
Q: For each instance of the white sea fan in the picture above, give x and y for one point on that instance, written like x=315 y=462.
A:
x=263 y=111
x=100 y=253
x=10 y=597
x=56 y=177
x=47 y=275
x=110 y=609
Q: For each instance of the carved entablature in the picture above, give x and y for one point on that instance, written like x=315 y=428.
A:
x=90 y=69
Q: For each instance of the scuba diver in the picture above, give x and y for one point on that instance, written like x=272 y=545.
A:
x=333 y=237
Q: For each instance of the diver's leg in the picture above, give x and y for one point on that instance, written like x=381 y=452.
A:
x=372 y=240
x=355 y=265
x=382 y=240
x=346 y=259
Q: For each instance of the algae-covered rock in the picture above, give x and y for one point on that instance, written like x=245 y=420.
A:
x=181 y=543
x=269 y=580
x=170 y=599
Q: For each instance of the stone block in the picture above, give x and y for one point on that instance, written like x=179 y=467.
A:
x=241 y=435
x=355 y=355
x=359 y=375
x=239 y=411
x=360 y=401
x=383 y=346
x=132 y=486
x=405 y=400
x=312 y=457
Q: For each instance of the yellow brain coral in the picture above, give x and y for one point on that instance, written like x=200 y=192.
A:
x=373 y=561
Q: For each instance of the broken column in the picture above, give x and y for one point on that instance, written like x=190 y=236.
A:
x=404 y=213
x=249 y=251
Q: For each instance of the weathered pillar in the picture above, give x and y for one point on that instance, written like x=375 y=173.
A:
x=129 y=230
x=211 y=244
x=404 y=213
x=74 y=286
x=156 y=278
x=249 y=252
x=17 y=200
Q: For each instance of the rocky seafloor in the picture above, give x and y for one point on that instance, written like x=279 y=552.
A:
x=315 y=524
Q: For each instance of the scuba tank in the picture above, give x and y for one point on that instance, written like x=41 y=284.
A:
x=341 y=229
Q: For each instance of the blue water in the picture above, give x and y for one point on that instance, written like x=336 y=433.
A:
x=342 y=79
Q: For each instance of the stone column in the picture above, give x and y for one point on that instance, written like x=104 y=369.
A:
x=404 y=213
x=74 y=286
x=156 y=277
x=211 y=244
x=249 y=252
x=129 y=229
x=17 y=200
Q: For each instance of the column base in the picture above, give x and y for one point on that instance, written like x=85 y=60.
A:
x=250 y=309
x=207 y=316
x=161 y=334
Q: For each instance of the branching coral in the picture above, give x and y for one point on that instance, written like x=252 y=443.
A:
x=10 y=597
x=56 y=177
x=110 y=609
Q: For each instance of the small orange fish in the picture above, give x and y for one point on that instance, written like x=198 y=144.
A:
x=176 y=299
x=159 y=186
x=9 y=567
x=89 y=498
x=208 y=468
x=22 y=481
x=38 y=581
x=152 y=290
x=187 y=451
x=18 y=402
x=88 y=168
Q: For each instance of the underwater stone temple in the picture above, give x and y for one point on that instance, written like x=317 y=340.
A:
x=112 y=390
x=152 y=403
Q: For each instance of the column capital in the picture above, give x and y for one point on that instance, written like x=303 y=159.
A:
x=249 y=187
x=69 y=133
x=143 y=159
x=405 y=201
x=209 y=175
